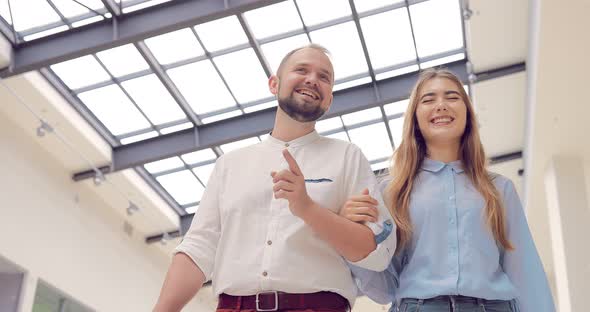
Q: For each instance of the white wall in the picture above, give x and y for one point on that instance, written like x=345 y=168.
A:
x=61 y=232
x=557 y=126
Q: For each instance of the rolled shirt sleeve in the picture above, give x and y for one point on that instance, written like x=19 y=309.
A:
x=201 y=240
x=358 y=177
x=523 y=265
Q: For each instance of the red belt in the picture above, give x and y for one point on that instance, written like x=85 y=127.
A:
x=276 y=300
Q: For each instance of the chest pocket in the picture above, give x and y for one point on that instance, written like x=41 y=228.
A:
x=324 y=191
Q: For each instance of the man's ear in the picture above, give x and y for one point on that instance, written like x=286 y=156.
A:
x=273 y=84
x=331 y=101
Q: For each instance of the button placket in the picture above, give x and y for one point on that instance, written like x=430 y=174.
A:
x=452 y=217
x=267 y=253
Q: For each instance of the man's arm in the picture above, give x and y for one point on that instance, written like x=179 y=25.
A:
x=194 y=258
x=352 y=240
x=183 y=281
x=369 y=246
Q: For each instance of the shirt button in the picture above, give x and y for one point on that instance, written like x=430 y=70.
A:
x=269 y=242
x=452 y=221
x=264 y=273
x=287 y=144
x=451 y=197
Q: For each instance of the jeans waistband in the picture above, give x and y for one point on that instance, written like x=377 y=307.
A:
x=453 y=302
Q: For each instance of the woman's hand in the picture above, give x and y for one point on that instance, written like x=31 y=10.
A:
x=361 y=208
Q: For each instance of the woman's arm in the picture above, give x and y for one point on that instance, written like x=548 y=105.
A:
x=379 y=286
x=523 y=265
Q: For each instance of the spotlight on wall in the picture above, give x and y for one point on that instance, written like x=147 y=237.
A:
x=44 y=128
x=467 y=14
x=165 y=238
x=98 y=177
x=132 y=208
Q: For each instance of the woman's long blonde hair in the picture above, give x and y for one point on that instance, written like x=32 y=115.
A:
x=408 y=157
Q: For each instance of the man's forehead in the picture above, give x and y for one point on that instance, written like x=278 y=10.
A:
x=309 y=56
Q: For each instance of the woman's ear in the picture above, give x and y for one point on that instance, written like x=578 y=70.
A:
x=273 y=84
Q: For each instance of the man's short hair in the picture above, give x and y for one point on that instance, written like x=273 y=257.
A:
x=307 y=46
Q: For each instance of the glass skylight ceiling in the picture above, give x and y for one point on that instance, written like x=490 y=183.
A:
x=53 y=16
x=210 y=72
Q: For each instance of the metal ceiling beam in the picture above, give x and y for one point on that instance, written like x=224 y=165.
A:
x=257 y=123
x=497 y=72
x=129 y=28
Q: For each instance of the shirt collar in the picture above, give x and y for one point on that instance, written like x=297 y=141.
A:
x=436 y=166
x=300 y=141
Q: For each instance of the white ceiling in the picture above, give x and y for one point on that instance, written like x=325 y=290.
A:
x=500 y=106
x=497 y=33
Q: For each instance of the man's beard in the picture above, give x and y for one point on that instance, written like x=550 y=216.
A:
x=298 y=112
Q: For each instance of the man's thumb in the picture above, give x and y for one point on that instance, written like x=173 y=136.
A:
x=365 y=191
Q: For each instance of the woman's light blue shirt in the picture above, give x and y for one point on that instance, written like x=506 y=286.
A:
x=453 y=251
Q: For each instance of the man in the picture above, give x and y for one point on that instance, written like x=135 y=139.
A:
x=267 y=231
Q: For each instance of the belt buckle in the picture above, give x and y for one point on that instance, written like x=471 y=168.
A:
x=276 y=307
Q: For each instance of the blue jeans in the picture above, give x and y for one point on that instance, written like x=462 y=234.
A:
x=456 y=304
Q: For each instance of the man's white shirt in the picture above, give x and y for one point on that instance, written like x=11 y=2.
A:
x=247 y=241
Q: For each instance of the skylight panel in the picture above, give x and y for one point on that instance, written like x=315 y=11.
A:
x=443 y=60
x=395 y=108
x=153 y=99
x=352 y=83
x=202 y=87
x=274 y=19
x=347 y=55
x=87 y=21
x=262 y=106
x=328 y=124
x=372 y=140
x=69 y=72
x=25 y=17
x=175 y=46
x=368 y=5
x=316 y=12
x=226 y=148
x=275 y=51
x=164 y=164
x=396 y=126
x=182 y=186
x=244 y=75
x=437 y=26
x=204 y=172
x=114 y=109
x=46 y=33
x=5 y=12
x=139 y=137
x=191 y=209
x=199 y=156
x=176 y=128
x=339 y=135
x=397 y=72
x=362 y=116
x=221 y=34
x=222 y=116
x=69 y=8
x=122 y=60
x=389 y=38
x=142 y=5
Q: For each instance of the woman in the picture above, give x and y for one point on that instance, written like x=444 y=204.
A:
x=463 y=240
